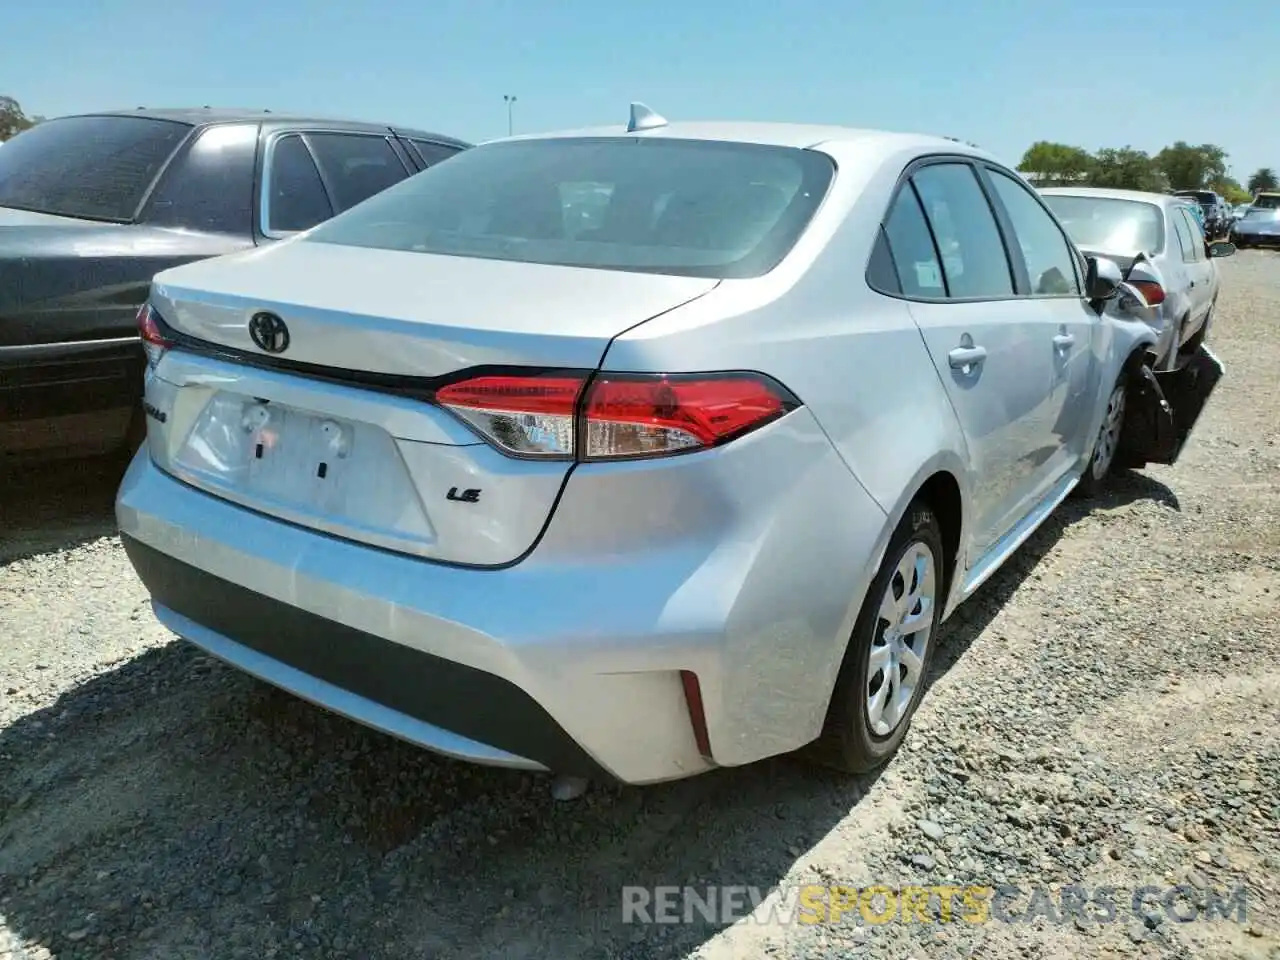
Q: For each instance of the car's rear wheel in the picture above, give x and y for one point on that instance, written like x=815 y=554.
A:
x=1107 y=443
x=883 y=674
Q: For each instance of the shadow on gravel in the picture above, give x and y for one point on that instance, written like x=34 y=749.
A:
x=176 y=808
x=56 y=506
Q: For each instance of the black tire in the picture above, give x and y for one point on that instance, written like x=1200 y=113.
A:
x=848 y=742
x=1097 y=473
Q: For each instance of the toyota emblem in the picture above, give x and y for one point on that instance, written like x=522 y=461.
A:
x=269 y=332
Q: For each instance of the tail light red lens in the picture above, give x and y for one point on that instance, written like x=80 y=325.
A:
x=620 y=415
x=631 y=416
x=153 y=339
x=1151 y=291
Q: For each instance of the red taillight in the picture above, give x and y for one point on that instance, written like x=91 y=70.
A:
x=153 y=339
x=622 y=415
x=1151 y=291
x=149 y=327
x=631 y=416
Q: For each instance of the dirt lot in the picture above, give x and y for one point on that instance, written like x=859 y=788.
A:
x=1104 y=712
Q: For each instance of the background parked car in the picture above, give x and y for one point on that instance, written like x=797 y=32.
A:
x=1197 y=214
x=1260 y=227
x=1215 y=218
x=91 y=207
x=1180 y=279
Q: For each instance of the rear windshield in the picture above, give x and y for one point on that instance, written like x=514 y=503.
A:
x=1109 y=225
x=99 y=168
x=684 y=207
x=1267 y=201
x=1200 y=196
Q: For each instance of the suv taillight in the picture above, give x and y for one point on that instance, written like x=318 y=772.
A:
x=153 y=339
x=610 y=416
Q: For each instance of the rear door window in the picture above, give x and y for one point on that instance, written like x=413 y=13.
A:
x=1183 y=232
x=355 y=166
x=296 y=198
x=210 y=187
x=918 y=270
x=98 y=168
x=1050 y=258
x=973 y=255
x=1197 y=236
x=433 y=153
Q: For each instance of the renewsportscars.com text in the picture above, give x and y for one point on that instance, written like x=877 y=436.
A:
x=937 y=903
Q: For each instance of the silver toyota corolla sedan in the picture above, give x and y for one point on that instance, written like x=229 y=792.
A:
x=636 y=451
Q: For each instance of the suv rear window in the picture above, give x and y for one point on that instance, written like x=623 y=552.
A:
x=98 y=168
x=684 y=207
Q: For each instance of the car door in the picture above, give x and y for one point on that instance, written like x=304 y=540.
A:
x=1196 y=264
x=988 y=352
x=1055 y=294
x=1205 y=275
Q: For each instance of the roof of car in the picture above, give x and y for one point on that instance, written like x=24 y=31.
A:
x=197 y=116
x=1111 y=193
x=775 y=134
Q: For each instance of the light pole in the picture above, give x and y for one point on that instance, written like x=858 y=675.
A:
x=510 y=100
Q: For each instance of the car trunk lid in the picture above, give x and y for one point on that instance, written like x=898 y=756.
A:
x=338 y=431
x=413 y=314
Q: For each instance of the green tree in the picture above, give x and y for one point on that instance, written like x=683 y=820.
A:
x=1230 y=190
x=12 y=120
x=1263 y=179
x=1055 y=163
x=1192 y=167
x=1127 y=169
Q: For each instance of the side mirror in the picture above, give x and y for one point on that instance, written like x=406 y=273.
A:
x=1102 y=279
x=1222 y=248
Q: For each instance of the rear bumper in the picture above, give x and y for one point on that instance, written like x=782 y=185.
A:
x=743 y=573
x=454 y=708
x=77 y=396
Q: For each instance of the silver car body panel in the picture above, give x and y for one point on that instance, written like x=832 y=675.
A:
x=746 y=564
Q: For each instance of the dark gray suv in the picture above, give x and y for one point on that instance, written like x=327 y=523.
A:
x=91 y=207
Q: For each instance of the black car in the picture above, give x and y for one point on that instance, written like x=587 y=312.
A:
x=91 y=207
x=1216 y=218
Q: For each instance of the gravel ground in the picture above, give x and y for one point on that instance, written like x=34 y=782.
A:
x=1103 y=712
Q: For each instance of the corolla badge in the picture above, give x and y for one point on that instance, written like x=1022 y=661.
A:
x=269 y=332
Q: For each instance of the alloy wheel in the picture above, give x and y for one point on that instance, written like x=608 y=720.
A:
x=1104 y=452
x=904 y=629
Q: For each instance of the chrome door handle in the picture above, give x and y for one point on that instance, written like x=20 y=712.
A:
x=1064 y=341
x=962 y=357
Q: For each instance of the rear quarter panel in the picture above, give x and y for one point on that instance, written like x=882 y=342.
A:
x=853 y=356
